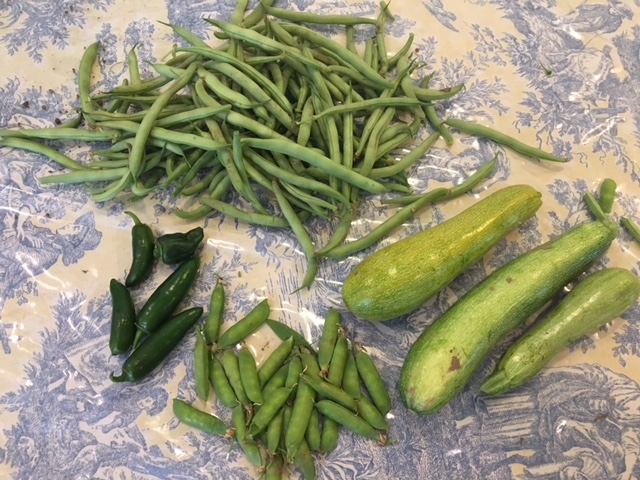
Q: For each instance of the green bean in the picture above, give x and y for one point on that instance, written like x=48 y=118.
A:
x=283 y=332
x=83 y=176
x=329 y=435
x=347 y=157
x=24 y=144
x=312 y=435
x=274 y=432
x=220 y=383
x=380 y=42
x=190 y=190
x=350 y=377
x=406 y=84
x=366 y=105
x=595 y=209
x=350 y=41
x=300 y=232
x=338 y=360
x=84 y=76
x=248 y=446
x=328 y=339
x=371 y=150
x=310 y=156
x=257 y=14
x=632 y=227
x=191 y=115
x=372 y=380
x=268 y=410
x=245 y=326
x=58 y=133
x=186 y=35
x=370 y=413
x=199 y=419
x=231 y=368
x=208 y=159
x=503 y=139
x=434 y=120
x=281 y=35
x=348 y=419
x=317 y=204
x=403 y=164
x=146 y=126
x=201 y=366
x=607 y=194
x=304 y=130
x=453 y=192
x=392 y=61
x=249 y=217
x=339 y=233
x=73 y=123
x=232 y=97
x=238 y=13
x=305 y=17
x=274 y=361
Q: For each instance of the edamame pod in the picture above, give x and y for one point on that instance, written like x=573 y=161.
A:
x=594 y=301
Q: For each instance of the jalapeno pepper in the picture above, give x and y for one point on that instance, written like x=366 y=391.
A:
x=175 y=248
x=165 y=299
x=123 y=318
x=142 y=243
x=155 y=349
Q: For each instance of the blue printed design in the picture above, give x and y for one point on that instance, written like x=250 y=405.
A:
x=575 y=77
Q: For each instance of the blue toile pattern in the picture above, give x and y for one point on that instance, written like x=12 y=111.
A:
x=560 y=75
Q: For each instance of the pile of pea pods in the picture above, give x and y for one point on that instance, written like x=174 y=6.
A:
x=294 y=404
x=296 y=123
x=153 y=332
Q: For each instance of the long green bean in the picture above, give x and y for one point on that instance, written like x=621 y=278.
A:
x=24 y=144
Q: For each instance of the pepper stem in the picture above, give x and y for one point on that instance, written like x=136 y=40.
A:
x=135 y=218
x=120 y=378
x=137 y=338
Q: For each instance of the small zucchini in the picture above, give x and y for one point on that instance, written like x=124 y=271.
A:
x=447 y=353
x=400 y=277
x=596 y=300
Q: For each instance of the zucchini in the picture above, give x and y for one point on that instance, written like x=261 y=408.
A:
x=596 y=300
x=402 y=276
x=447 y=353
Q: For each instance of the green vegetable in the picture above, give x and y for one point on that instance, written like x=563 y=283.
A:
x=216 y=310
x=123 y=318
x=245 y=326
x=220 y=383
x=274 y=361
x=249 y=375
x=594 y=301
x=284 y=331
x=142 y=246
x=328 y=339
x=348 y=419
x=447 y=353
x=157 y=346
x=402 y=276
x=166 y=298
x=201 y=366
x=173 y=248
x=372 y=380
x=199 y=419
x=607 y=194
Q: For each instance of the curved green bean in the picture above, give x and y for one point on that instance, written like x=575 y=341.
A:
x=24 y=144
x=84 y=76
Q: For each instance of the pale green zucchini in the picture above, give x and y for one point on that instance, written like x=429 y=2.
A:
x=596 y=300
x=447 y=353
x=402 y=276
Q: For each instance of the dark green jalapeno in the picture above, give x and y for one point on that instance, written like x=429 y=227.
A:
x=142 y=244
x=175 y=248
x=165 y=299
x=157 y=347
x=123 y=318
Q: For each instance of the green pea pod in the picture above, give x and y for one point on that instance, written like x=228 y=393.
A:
x=351 y=378
x=249 y=375
x=248 y=445
x=607 y=194
x=268 y=410
x=371 y=414
x=151 y=353
x=274 y=361
x=312 y=435
x=330 y=391
x=216 y=310
x=201 y=366
x=284 y=331
x=246 y=326
x=174 y=248
x=123 y=318
x=329 y=435
x=338 y=360
x=304 y=461
x=166 y=298
x=220 y=383
x=372 y=380
x=347 y=419
x=301 y=413
x=232 y=370
x=328 y=338
x=275 y=468
x=278 y=380
x=199 y=419
x=142 y=245
x=274 y=432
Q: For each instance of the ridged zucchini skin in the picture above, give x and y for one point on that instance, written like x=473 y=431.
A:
x=596 y=300
x=402 y=276
x=446 y=355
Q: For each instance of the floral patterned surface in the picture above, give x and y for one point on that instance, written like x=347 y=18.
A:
x=563 y=75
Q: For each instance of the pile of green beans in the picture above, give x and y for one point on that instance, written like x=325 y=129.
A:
x=293 y=405
x=275 y=109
